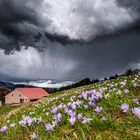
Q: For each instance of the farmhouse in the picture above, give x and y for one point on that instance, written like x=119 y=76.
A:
x=24 y=95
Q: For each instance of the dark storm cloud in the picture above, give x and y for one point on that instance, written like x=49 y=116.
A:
x=19 y=24
x=68 y=39
x=95 y=60
x=34 y=22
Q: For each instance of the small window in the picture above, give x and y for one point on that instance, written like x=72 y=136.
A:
x=19 y=95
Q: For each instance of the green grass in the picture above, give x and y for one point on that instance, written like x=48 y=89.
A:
x=7 y=108
x=110 y=124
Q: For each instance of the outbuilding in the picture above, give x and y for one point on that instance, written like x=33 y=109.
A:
x=24 y=95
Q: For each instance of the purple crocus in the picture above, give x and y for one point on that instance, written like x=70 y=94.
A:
x=4 y=129
x=93 y=104
x=98 y=109
x=135 y=85
x=49 y=127
x=125 y=107
x=136 y=111
x=54 y=110
x=72 y=120
x=78 y=103
x=135 y=100
x=123 y=83
x=73 y=106
x=85 y=106
x=58 y=117
x=86 y=120
x=126 y=91
x=71 y=113
x=79 y=116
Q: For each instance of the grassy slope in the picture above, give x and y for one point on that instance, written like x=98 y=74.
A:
x=110 y=123
x=7 y=108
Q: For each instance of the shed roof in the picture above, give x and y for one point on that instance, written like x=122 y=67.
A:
x=33 y=93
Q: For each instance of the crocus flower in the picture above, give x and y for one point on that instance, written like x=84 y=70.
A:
x=85 y=96
x=98 y=109
x=39 y=119
x=79 y=116
x=93 y=104
x=71 y=113
x=54 y=110
x=60 y=106
x=126 y=91
x=34 y=136
x=58 y=117
x=136 y=111
x=78 y=103
x=85 y=106
x=72 y=120
x=123 y=83
x=135 y=100
x=4 y=129
x=86 y=120
x=107 y=96
x=135 y=85
x=49 y=127
x=125 y=107
x=73 y=106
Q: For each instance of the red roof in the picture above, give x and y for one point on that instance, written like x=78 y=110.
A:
x=33 y=93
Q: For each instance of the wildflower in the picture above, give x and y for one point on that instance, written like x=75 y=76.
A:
x=126 y=91
x=71 y=113
x=54 y=110
x=72 y=120
x=136 y=111
x=79 y=116
x=4 y=129
x=85 y=106
x=73 y=106
x=58 y=117
x=85 y=96
x=104 y=118
x=66 y=110
x=98 y=109
x=107 y=96
x=125 y=107
x=60 y=106
x=49 y=127
x=98 y=95
x=47 y=113
x=135 y=100
x=93 y=104
x=12 y=125
x=135 y=85
x=34 y=136
x=86 y=120
x=80 y=96
x=22 y=122
x=123 y=83
x=39 y=119
x=78 y=103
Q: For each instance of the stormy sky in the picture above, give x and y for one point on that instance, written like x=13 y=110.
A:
x=68 y=39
